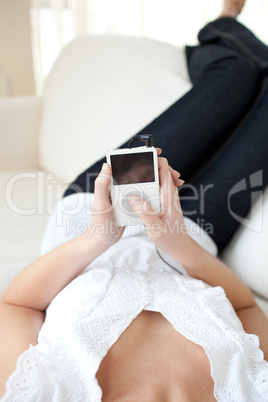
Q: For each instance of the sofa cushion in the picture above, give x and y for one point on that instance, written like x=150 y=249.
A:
x=19 y=128
x=247 y=252
x=102 y=90
x=27 y=200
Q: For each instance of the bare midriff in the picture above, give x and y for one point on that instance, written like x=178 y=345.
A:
x=153 y=362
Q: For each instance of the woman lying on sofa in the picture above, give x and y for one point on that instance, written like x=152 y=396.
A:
x=108 y=318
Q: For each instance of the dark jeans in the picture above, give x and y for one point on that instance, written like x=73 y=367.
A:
x=217 y=134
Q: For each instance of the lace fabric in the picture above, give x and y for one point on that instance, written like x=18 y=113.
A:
x=90 y=314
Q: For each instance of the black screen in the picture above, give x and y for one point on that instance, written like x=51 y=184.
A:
x=132 y=168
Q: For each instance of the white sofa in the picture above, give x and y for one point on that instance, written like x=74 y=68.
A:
x=100 y=91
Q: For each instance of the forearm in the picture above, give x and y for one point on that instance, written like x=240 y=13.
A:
x=200 y=264
x=40 y=282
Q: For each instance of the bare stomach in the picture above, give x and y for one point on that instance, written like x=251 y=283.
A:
x=152 y=362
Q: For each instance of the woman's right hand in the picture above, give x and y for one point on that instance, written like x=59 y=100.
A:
x=103 y=229
x=166 y=230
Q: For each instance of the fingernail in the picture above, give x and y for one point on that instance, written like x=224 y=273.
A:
x=134 y=199
x=104 y=168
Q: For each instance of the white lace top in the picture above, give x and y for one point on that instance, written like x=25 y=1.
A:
x=88 y=316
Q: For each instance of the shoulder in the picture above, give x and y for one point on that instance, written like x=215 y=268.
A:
x=254 y=321
x=19 y=327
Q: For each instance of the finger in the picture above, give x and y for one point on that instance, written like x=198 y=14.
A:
x=143 y=210
x=175 y=174
x=164 y=173
x=165 y=177
x=102 y=187
x=163 y=168
x=176 y=177
x=178 y=182
x=168 y=189
x=153 y=224
x=159 y=151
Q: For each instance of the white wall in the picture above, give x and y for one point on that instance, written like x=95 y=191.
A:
x=15 y=47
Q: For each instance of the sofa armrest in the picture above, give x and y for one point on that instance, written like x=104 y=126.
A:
x=19 y=129
x=247 y=252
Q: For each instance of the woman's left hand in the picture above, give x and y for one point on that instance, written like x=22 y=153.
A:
x=103 y=228
x=167 y=230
